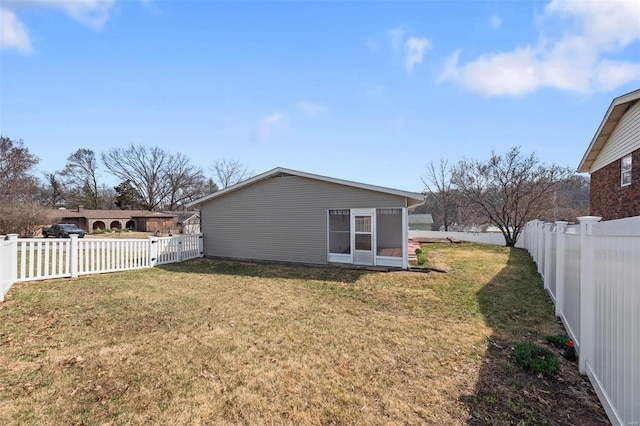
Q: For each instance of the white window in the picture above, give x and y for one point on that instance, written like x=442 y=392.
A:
x=626 y=171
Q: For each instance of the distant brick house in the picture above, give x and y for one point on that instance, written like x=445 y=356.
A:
x=613 y=160
x=136 y=220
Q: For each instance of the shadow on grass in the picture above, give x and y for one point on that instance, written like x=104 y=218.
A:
x=268 y=270
x=515 y=305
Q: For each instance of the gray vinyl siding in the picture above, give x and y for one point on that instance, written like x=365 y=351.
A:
x=281 y=218
x=624 y=139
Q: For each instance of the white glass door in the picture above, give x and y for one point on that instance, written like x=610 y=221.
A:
x=363 y=238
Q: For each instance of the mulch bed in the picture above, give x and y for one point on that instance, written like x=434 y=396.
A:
x=507 y=395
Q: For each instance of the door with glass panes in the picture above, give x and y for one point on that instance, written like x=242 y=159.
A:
x=362 y=224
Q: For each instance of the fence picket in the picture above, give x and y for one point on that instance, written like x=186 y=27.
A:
x=30 y=259
x=598 y=300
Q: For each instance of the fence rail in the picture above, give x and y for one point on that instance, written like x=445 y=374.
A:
x=30 y=259
x=592 y=272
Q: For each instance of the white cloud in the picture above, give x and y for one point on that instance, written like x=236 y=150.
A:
x=92 y=13
x=311 y=109
x=495 y=22
x=267 y=123
x=414 y=49
x=510 y=73
x=610 y=75
x=571 y=54
x=396 y=37
x=13 y=33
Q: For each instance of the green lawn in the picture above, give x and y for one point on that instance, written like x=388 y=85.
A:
x=206 y=342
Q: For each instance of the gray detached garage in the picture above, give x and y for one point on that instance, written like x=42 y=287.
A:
x=290 y=216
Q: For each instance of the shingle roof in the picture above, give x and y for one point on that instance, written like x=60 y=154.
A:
x=413 y=198
x=421 y=218
x=184 y=216
x=108 y=214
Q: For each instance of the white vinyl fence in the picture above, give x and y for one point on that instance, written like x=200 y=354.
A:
x=592 y=273
x=495 y=238
x=30 y=259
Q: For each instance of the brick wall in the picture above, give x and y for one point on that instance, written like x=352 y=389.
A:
x=608 y=198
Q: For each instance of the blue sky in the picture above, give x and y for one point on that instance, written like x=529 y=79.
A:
x=365 y=91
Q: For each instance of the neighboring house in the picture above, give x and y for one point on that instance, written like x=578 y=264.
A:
x=187 y=223
x=613 y=160
x=290 y=216
x=420 y=222
x=136 y=220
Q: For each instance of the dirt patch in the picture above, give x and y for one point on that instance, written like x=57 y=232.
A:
x=507 y=395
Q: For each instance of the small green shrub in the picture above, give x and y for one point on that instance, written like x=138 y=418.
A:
x=558 y=340
x=421 y=258
x=418 y=251
x=535 y=359
x=97 y=231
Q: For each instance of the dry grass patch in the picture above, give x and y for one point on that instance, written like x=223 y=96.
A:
x=121 y=234
x=207 y=341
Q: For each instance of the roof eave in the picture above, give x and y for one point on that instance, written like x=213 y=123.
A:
x=596 y=145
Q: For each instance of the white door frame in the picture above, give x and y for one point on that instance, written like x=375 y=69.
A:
x=363 y=257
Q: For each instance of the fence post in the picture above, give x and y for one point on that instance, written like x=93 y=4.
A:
x=3 y=263
x=561 y=246
x=180 y=248
x=201 y=245
x=540 y=254
x=153 y=251
x=533 y=244
x=13 y=262
x=532 y=240
x=74 y=255
x=548 y=235
x=587 y=292
x=13 y=259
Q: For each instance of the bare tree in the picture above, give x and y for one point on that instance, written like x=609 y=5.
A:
x=24 y=219
x=437 y=183
x=144 y=167
x=21 y=209
x=571 y=200
x=186 y=182
x=106 y=197
x=161 y=179
x=230 y=172
x=15 y=165
x=81 y=172
x=509 y=190
x=53 y=192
